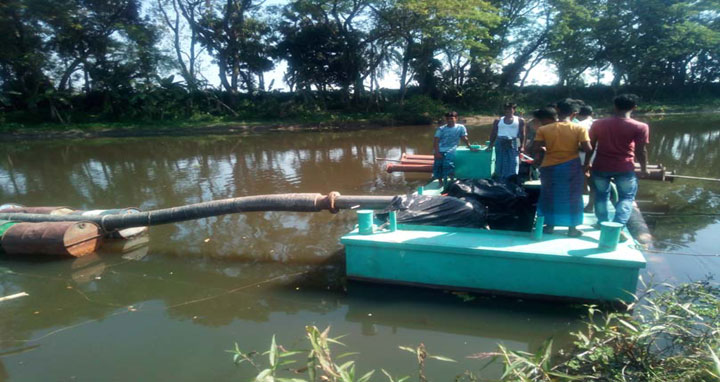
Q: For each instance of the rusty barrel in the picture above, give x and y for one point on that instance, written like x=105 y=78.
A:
x=51 y=238
x=124 y=234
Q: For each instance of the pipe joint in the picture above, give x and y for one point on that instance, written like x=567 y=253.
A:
x=327 y=202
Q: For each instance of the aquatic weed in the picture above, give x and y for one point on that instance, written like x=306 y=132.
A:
x=668 y=335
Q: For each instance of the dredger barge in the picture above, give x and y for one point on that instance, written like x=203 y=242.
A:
x=383 y=248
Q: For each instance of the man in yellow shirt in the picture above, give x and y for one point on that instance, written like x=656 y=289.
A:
x=561 y=173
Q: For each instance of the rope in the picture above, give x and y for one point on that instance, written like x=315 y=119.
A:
x=676 y=253
x=126 y=311
x=662 y=215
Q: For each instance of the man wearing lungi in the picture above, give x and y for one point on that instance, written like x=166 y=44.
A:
x=506 y=132
x=444 y=145
x=617 y=141
x=561 y=173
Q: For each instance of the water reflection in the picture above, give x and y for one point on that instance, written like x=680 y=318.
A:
x=689 y=149
x=188 y=291
x=69 y=299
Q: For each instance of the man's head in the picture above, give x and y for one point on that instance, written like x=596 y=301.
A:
x=545 y=115
x=585 y=112
x=451 y=118
x=509 y=108
x=625 y=102
x=567 y=108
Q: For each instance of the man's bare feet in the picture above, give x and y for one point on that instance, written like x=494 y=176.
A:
x=574 y=232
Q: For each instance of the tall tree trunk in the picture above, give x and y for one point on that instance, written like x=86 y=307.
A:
x=511 y=72
x=222 y=73
x=404 y=73
x=68 y=72
x=617 y=76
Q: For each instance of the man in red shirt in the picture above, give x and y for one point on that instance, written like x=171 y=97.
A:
x=617 y=141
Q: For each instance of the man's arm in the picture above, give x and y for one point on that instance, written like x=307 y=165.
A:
x=641 y=155
x=641 y=141
x=589 y=154
x=493 y=134
x=538 y=152
x=436 y=148
x=521 y=135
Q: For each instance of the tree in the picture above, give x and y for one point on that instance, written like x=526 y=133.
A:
x=340 y=52
x=186 y=59
x=657 y=42
x=519 y=39
x=23 y=58
x=425 y=29
x=571 y=44
x=107 y=39
x=236 y=39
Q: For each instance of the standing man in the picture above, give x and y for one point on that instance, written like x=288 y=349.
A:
x=617 y=141
x=444 y=145
x=584 y=116
x=561 y=173
x=505 y=134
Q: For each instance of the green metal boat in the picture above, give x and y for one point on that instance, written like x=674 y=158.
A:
x=555 y=266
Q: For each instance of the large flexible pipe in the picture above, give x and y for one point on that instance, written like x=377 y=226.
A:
x=280 y=202
x=638 y=227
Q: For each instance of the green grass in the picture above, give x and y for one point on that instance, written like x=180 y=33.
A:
x=422 y=112
x=201 y=122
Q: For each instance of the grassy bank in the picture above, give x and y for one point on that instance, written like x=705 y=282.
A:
x=669 y=335
x=266 y=116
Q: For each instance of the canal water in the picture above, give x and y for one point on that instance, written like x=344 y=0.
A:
x=168 y=306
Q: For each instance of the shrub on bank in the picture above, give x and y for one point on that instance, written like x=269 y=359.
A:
x=171 y=101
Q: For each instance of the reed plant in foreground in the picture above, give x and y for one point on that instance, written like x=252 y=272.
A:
x=668 y=335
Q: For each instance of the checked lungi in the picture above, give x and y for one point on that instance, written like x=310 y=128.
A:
x=561 y=188
x=506 y=157
x=445 y=167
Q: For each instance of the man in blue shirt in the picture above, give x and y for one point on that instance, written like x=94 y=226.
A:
x=444 y=145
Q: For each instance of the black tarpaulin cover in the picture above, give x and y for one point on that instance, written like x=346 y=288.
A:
x=437 y=210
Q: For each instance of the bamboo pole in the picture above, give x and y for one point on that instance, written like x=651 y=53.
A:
x=691 y=177
x=13 y=296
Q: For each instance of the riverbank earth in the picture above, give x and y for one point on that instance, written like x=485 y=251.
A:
x=18 y=132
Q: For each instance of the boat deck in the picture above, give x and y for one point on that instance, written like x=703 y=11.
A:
x=507 y=262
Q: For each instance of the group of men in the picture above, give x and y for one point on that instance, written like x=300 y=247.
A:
x=570 y=149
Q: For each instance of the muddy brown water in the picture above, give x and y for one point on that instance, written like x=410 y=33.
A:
x=166 y=307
